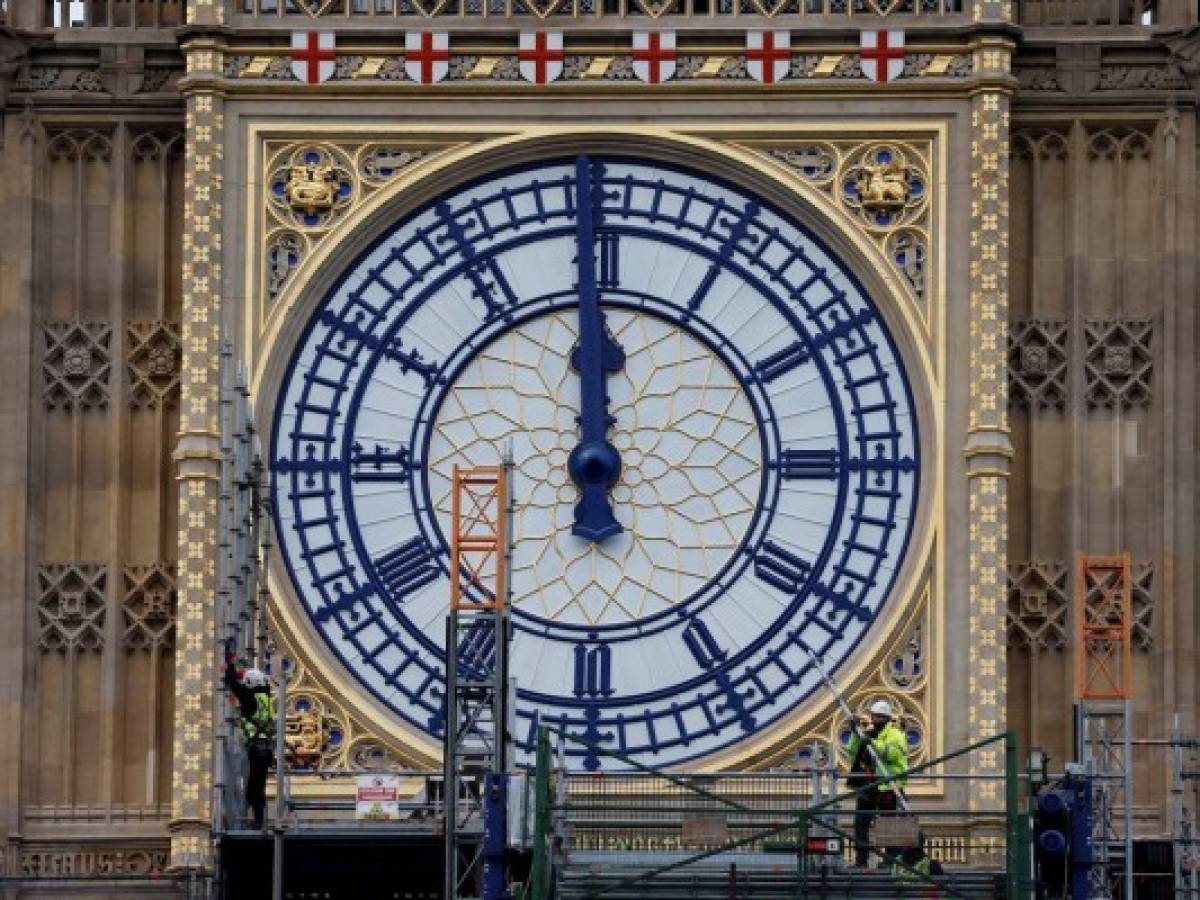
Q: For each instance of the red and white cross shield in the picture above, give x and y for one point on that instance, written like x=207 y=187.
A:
x=540 y=55
x=882 y=54
x=426 y=55
x=654 y=56
x=313 y=59
x=768 y=55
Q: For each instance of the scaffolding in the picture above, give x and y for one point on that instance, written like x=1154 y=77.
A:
x=479 y=693
x=477 y=639
x=242 y=626
x=1185 y=840
x=1104 y=723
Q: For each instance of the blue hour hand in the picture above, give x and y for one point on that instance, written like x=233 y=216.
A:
x=594 y=464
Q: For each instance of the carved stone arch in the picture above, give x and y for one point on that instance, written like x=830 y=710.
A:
x=1120 y=143
x=1041 y=144
x=79 y=145
x=156 y=145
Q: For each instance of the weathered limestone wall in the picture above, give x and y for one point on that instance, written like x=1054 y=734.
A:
x=1102 y=369
x=89 y=379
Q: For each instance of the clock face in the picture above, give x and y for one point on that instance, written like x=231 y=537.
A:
x=715 y=452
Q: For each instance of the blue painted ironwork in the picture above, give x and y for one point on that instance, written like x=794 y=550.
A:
x=807 y=464
x=362 y=329
x=380 y=464
x=594 y=464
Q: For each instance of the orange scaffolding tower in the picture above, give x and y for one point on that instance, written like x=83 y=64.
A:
x=477 y=638
x=479 y=543
x=1103 y=665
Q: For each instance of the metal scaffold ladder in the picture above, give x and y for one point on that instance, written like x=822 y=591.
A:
x=243 y=623
x=1104 y=692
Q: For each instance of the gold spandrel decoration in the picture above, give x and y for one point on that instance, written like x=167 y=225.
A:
x=882 y=187
x=305 y=739
x=323 y=733
x=311 y=186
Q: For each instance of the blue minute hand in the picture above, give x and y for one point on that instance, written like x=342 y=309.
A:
x=594 y=464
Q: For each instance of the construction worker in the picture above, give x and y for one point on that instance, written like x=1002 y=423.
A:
x=891 y=748
x=258 y=728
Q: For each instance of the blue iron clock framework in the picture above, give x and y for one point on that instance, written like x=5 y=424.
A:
x=714 y=440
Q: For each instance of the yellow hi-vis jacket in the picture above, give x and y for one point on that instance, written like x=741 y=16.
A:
x=892 y=748
x=262 y=723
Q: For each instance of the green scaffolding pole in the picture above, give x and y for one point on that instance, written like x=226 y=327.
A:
x=1017 y=836
x=540 y=869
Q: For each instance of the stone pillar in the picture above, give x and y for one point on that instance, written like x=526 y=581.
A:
x=988 y=448
x=198 y=459
x=20 y=150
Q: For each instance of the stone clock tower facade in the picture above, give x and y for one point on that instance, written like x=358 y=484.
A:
x=889 y=310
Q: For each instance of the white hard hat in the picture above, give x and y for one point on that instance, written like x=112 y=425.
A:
x=254 y=678
x=881 y=708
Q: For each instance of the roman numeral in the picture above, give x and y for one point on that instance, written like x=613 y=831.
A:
x=881 y=463
x=490 y=287
x=807 y=464
x=781 y=568
x=409 y=360
x=408 y=568
x=703 y=646
x=610 y=260
x=593 y=671
x=782 y=362
x=477 y=650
